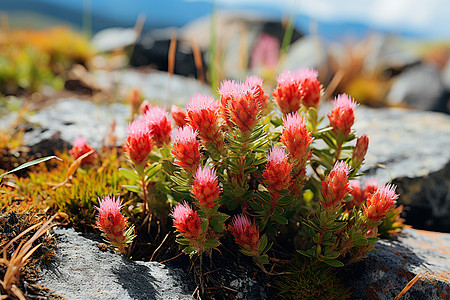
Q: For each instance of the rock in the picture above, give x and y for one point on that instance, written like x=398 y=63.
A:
x=395 y=262
x=410 y=148
x=82 y=271
x=57 y=126
x=420 y=87
x=114 y=38
x=158 y=87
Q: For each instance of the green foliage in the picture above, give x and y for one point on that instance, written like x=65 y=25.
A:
x=309 y=279
x=74 y=196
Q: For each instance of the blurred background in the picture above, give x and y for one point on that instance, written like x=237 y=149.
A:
x=382 y=52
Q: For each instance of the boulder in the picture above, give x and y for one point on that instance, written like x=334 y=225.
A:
x=410 y=148
x=82 y=271
x=413 y=255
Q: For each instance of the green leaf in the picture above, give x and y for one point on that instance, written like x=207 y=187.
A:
x=305 y=253
x=279 y=219
x=338 y=226
x=29 y=164
x=129 y=174
x=152 y=170
x=262 y=243
x=334 y=263
x=132 y=188
x=246 y=252
x=263 y=259
x=208 y=244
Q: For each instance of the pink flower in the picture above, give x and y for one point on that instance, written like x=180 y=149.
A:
x=380 y=202
x=139 y=143
x=206 y=187
x=287 y=94
x=265 y=52
x=186 y=221
x=336 y=186
x=256 y=84
x=357 y=194
x=245 y=233
x=244 y=107
x=295 y=136
x=80 y=147
x=186 y=148
x=342 y=116
x=226 y=91
x=178 y=115
x=159 y=125
x=111 y=221
x=202 y=113
x=310 y=88
x=278 y=170
x=360 y=150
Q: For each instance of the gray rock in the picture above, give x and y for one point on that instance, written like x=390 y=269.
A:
x=394 y=263
x=418 y=87
x=82 y=271
x=411 y=148
x=71 y=117
x=307 y=52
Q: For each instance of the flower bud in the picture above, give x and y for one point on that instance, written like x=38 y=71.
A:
x=342 y=116
x=256 y=83
x=357 y=194
x=278 y=170
x=287 y=94
x=310 y=88
x=186 y=221
x=380 y=202
x=81 y=147
x=295 y=137
x=360 y=150
x=336 y=186
x=245 y=233
x=159 y=125
x=139 y=143
x=178 y=115
x=186 y=149
x=206 y=187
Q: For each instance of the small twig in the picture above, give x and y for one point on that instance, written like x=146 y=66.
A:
x=408 y=286
x=176 y=256
x=151 y=258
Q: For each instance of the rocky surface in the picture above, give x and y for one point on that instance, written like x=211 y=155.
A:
x=387 y=270
x=411 y=148
x=82 y=271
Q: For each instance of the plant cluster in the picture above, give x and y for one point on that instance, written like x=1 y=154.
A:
x=236 y=166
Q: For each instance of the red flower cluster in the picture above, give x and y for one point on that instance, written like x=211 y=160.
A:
x=287 y=93
x=206 y=187
x=111 y=221
x=186 y=148
x=245 y=233
x=202 y=113
x=336 y=186
x=81 y=147
x=342 y=116
x=256 y=83
x=278 y=170
x=186 y=221
x=139 y=143
x=380 y=202
x=295 y=137
x=158 y=124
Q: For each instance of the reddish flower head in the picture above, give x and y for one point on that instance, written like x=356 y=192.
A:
x=256 y=84
x=310 y=88
x=186 y=148
x=360 y=150
x=357 y=194
x=342 y=116
x=110 y=219
x=295 y=136
x=178 y=115
x=202 y=113
x=80 y=147
x=245 y=233
x=336 y=186
x=186 y=221
x=206 y=187
x=139 y=143
x=380 y=202
x=159 y=125
x=287 y=94
x=278 y=170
